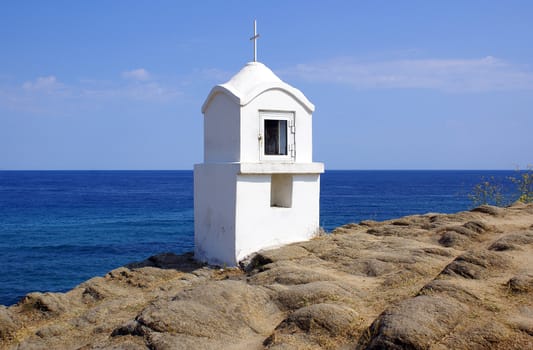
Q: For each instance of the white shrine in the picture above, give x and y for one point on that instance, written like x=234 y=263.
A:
x=258 y=186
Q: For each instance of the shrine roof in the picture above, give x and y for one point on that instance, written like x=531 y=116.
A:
x=251 y=81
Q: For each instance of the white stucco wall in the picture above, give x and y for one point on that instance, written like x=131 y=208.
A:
x=222 y=130
x=260 y=226
x=214 y=213
x=233 y=216
x=275 y=100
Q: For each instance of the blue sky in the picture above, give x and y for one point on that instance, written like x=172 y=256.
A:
x=396 y=84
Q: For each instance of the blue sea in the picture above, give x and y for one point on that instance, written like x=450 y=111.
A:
x=60 y=228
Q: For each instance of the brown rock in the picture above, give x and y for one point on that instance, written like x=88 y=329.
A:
x=449 y=289
x=225 y=309
x=50 y=304
x=301 y=295
x=475 y=264
x=415 y=323
x=489 y=209
x=369 y=223
x=290 y=273
x=453 y=239
x=326 y=293
x=513 y=241
x=7 y=326
x=184 y=262
x=335 y=319
x=521 y=284
x=477 y=226
x=290 y=252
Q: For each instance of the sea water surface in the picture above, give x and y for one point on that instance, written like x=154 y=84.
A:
x=60 y=228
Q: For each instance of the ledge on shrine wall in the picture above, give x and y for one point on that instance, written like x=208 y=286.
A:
x=281 y=168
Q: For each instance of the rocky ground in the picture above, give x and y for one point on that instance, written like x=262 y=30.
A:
x=434 y=281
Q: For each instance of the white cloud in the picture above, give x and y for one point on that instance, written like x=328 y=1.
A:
x=455 y=75
x=139 y=74
x=151 y=91
x=215 y=74
x=42 y=83
x=46 y=93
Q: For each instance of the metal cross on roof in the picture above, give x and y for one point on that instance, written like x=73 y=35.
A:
x=254 y=38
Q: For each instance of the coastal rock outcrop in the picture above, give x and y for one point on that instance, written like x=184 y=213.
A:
x=432 y=281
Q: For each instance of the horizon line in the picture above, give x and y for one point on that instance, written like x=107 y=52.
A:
x=341 y=169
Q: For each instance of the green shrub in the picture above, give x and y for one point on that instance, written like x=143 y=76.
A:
x=524 y=184
x=490 y=191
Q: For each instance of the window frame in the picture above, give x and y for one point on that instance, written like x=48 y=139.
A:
x=288 y=116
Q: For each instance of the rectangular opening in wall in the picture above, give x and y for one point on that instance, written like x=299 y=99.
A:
x=275 y=137
x=277 y=130
x=281 y=191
